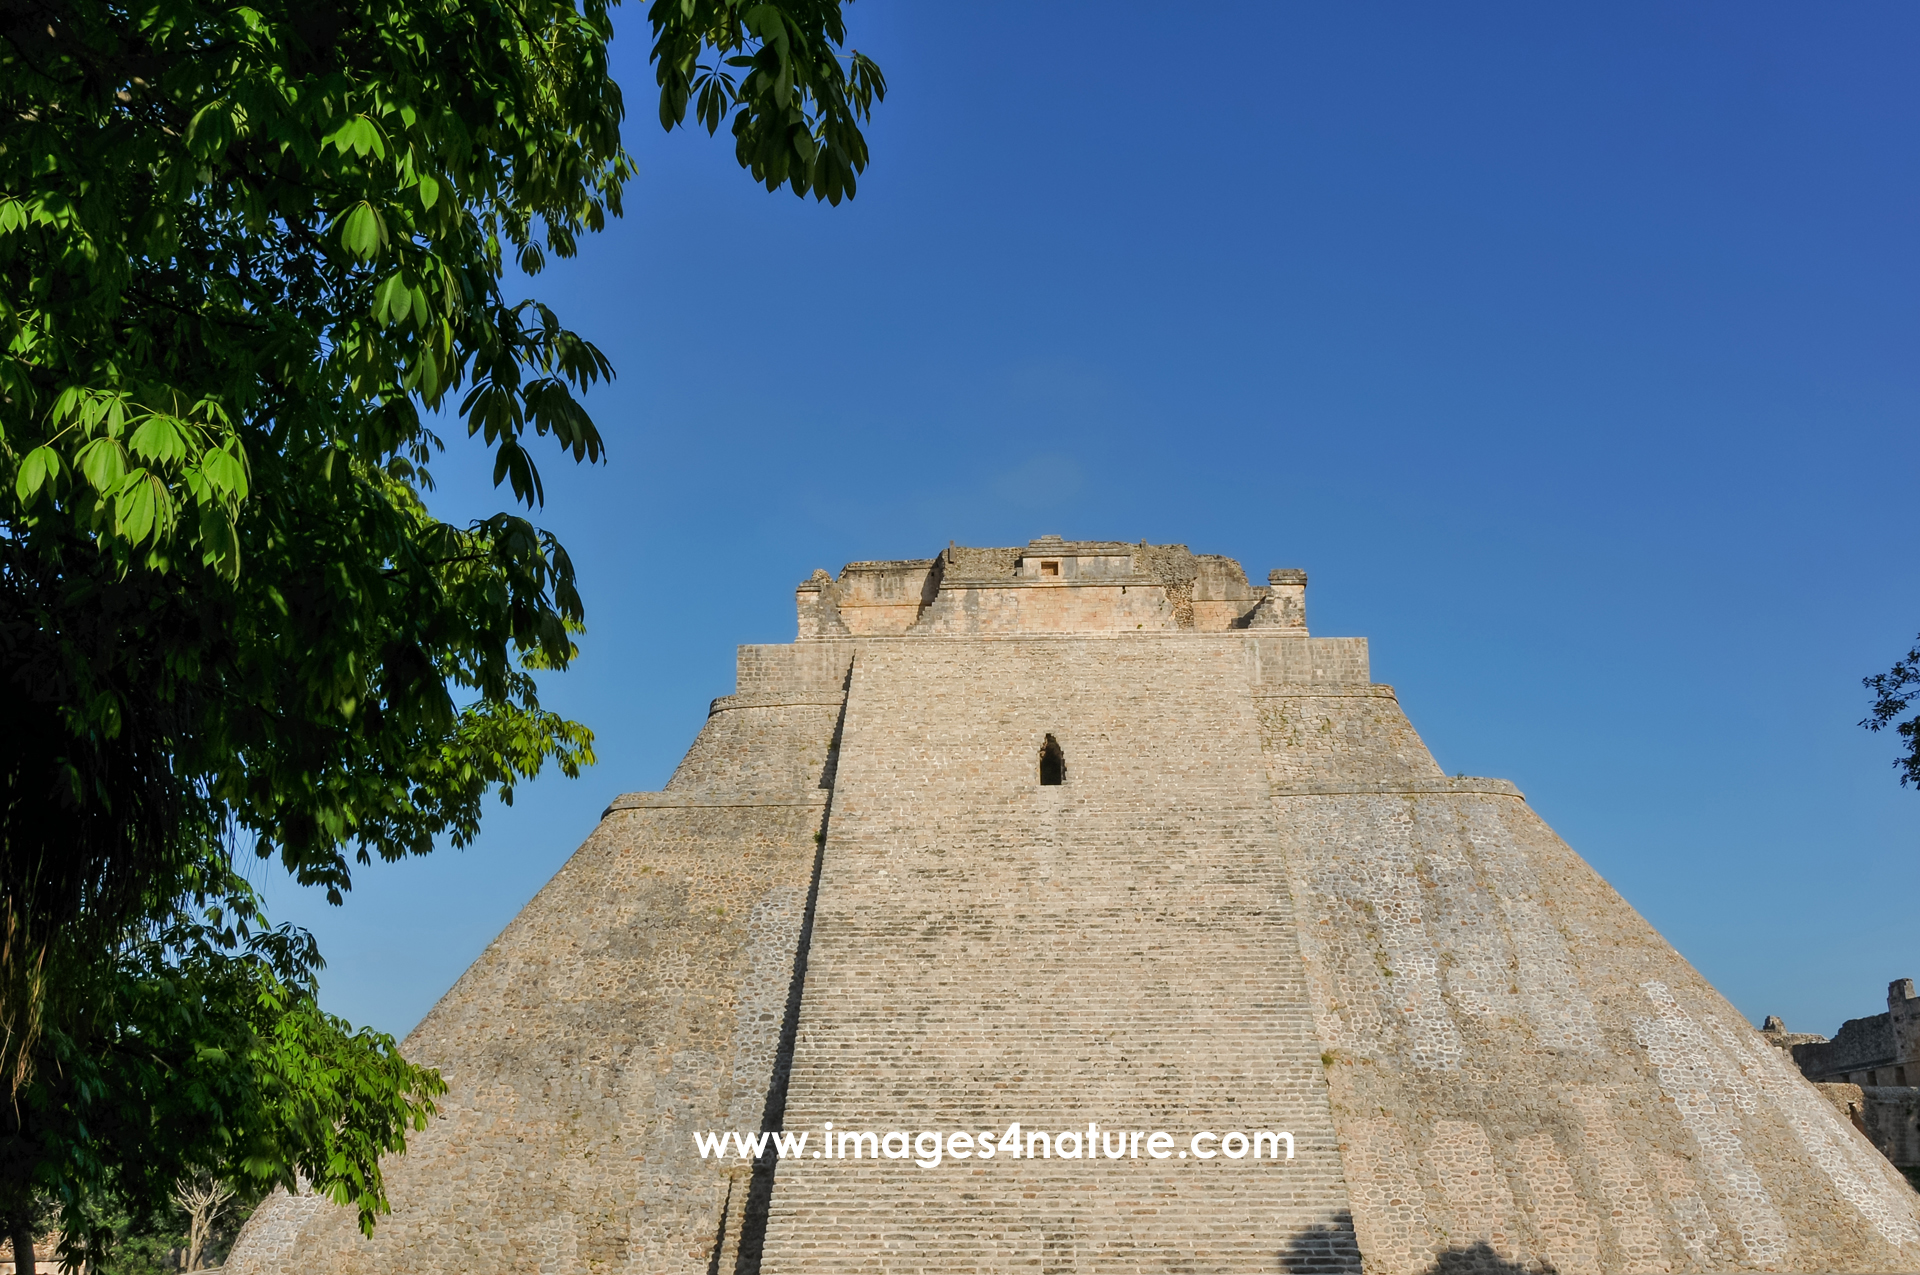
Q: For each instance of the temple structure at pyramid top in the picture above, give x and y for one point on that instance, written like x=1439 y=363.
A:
x=1052 y=586
x=1093 y=839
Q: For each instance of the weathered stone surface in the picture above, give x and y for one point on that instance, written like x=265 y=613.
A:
x=1882 y=1049
x=1868 y=1072
x=1254 y=902
x=640 y=996
x=1117 y=949
x=1889 y=1115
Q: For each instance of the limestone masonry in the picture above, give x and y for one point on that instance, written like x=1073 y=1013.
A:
x=1251 y=901
x=1870 y=1072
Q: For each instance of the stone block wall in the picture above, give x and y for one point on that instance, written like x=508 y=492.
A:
x=1052 y=586
x=1301 y=661
x=1517 y=1061
x=1889 y=1116
x=1327 y=734
x=802 y=669
x=1903 y=1020
x=1116 y=949
x=1878 y=1050
x=1040 y=606
x=1860 y=1048
x=639 y=997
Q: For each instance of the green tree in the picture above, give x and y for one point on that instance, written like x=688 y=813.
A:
x=252 y=254
x=197 y=1049
x=1893 y=691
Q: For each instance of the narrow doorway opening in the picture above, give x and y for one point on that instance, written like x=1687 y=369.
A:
x=1053 y=763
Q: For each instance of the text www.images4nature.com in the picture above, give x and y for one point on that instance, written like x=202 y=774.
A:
x=929 y=1148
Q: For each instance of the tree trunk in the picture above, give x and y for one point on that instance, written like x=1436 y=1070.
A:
x=20 y=1225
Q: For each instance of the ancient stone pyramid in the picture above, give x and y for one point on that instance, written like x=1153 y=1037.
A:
x=1244 y=899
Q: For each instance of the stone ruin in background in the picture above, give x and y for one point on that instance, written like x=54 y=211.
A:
x=1870 y=1072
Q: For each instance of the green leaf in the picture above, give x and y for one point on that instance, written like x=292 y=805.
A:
x=359 y=136
x=392 y=300
x=103 y=463
x=41 y=465
x=159 y=438
x=226 y=473
x=140 y=506
x=211 y=129
x=429 y=194
x=363 y=231
x=219 y=541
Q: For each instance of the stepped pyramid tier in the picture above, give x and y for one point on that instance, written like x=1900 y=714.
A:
x=1093 y=837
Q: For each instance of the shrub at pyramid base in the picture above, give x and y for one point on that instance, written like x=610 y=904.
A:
x=1093 y=838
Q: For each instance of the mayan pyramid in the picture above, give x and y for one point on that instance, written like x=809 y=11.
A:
x=1093 y=833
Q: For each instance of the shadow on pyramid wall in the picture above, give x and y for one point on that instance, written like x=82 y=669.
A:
x=1332 y=1249
x=1480 y=1259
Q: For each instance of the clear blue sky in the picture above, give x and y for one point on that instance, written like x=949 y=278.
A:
x=1571 y=351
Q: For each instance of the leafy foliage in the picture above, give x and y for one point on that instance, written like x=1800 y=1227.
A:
x=243 y=248
x=198 y=1048
x=252 y=256
x=796 y=111
x=248 y=247
x=1893 y=691
x=159 y=1244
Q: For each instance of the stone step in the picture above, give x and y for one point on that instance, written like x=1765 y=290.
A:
x=1118 y=949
